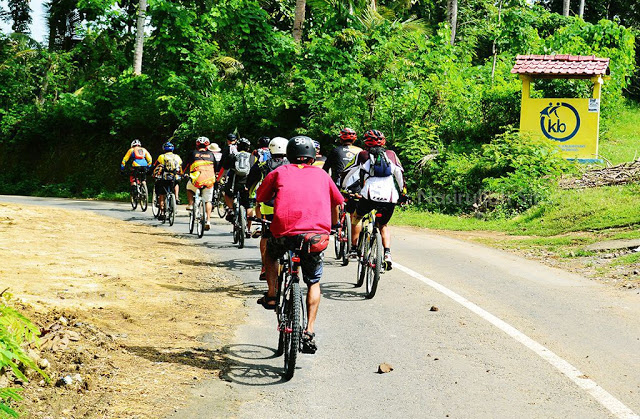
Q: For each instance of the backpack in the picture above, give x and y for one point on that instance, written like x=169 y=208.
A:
x=171 y=164
x=263 y=154
x=380 y=165
x=242 y=164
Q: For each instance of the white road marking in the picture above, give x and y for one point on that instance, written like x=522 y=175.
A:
x=614 y=405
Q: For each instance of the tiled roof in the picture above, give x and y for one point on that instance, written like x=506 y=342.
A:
x=561 y=65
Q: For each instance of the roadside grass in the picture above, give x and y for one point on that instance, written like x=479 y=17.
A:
x=620 y=143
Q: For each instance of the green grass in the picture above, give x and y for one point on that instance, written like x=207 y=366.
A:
x=621 y=142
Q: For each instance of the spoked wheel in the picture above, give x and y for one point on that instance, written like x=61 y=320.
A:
x=192 y=218
x=219 y=203
x=171 y=209
x=336 y=243
x=134 y=200
x=374 y=267
x=293 y=332
x=236 y=223
x=363 y=250
x=201 y=219
x=144 y=197
x=346 y=229
x=155 y=207
x=242 y=227
x=280 y=301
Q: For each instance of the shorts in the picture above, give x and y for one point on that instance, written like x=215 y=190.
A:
x=311 y=263
x=350 y=205
x=207 y=193
x=230 y=191
x=138 y=169
x=385 y=209
x=266 y=231
x=162 y=186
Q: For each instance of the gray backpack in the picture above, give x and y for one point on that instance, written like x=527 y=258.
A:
x=243 y=164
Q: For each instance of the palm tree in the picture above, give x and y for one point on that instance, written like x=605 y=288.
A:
x=137 y=55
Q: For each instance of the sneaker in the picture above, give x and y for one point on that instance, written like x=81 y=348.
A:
x=161 y=217
x=178 y=202
x=263 y=276
x=309 y=343
x=229 y=216
x=353 y=253
x=387 y=261
x=207 y=226
x=189 y=207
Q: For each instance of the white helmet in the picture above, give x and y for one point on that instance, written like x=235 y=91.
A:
x=136 y=143
x=278 y=145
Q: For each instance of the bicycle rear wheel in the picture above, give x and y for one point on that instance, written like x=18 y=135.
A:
x=219 y=203
x=374 y=266
x=347 y=239
x=155 y=208
x=144 y=197
x=363 y=250
x=201 y=219
x=171 y=208
x=192 y=218
x=292 y=338
x=280 y=301
x=242 y=221
x=134 y=199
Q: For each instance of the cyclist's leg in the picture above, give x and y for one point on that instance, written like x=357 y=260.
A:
x=207 y=196
x=386 y=211
x=312 y=267
x=229 y=192
x=274 y=249
x=191 y=191
x=362 y=207
x=176 y=191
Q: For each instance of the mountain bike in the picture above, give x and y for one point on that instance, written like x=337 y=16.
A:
x=218 y=199
x=290 y=310
x=370 y=254
x=155 y=203
x=139 y=195
x=198 y=214
x=239 y=219
x=170 y=202
x=342 y=237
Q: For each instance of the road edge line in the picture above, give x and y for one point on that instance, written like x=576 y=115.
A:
x=603 y=397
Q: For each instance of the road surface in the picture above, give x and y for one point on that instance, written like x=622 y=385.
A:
x=511 y=337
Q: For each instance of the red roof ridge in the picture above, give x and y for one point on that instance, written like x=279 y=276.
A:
x=561 y=65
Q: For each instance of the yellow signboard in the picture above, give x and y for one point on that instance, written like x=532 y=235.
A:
x=571 y=124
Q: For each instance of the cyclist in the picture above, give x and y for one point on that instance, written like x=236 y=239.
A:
x=200 y=165
x=166 y=170
x=342 y=155
x=217 y=153
x=238 y=166
x=262 y=153
x=278 y=151
x=139 y=157
x=320 y=159
x=374 y=171
x=231 y=147
x=305 y=201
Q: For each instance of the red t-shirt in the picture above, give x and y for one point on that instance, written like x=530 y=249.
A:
x=304 y=196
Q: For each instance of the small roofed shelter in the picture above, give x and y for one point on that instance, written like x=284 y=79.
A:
x=572 y=124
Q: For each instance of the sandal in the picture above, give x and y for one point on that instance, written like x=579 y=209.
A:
x=309 y=343
x=265 y=300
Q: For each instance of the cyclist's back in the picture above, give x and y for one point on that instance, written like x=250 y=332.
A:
x=341 y=156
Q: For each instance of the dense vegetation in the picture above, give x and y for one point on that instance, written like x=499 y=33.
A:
x=68 y=111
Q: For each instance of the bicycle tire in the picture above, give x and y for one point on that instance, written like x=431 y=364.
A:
x=374 y=267
x=192 y=218
x=171 y=208
x=363 y=249
x=220 y=205
x=243 y=226
x=202 y=220
x=134 y=199
x=292 y=340
x=282 y=279
x=144 y=197
x=336 y=243
x=155 y=207
x=236 y=212
x=347 y=243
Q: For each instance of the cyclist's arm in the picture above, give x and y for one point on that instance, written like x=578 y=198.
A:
x=329 y=162
x=126 y=158
x=147 y=157
x=398 y=173
x=267 y=189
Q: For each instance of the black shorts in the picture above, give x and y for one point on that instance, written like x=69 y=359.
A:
x=365 y=205
x=266 y=231
x=311 y=263
x=231 y=187
x=350 y=205
x=162 y=186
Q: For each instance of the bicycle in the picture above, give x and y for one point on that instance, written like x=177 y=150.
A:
x=239 y=220
x=140 y=195
x=218 y=199
x=370 y=254
x=155 y=204
x=342 y=238
x=198 y=215
x=170 y=202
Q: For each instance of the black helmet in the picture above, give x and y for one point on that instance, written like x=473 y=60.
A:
x=300 y=147
x=244 y=145
x=263 y=142
x=231 y=137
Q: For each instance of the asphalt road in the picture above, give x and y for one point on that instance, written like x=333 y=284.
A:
x=511 y=338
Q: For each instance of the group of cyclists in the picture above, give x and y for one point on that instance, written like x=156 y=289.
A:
x=294 y=189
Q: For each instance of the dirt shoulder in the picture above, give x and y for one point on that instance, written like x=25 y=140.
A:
x=131 y=315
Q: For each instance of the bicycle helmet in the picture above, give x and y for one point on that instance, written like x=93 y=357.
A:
x=278 y=146
x=168 y=146
x=263 y=142
x=136 y=143
x=202 y=142
x=231 y=137
x=316 y=145
x=374 y=138
x=347 y=135
x=300 y=148
x=244 y=144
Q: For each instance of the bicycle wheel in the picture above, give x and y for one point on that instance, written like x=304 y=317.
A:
x=242 y=221
x=219 y=202
x=283 y=279
x=192 y=218
x=144 y=197
x=292 y=339
x=155 y=208
x=236 y=224
x=171 y=208
x=336 y=243
x=201 y=219
x=363 y=250
x=347 y=239
x=134 y=199
x=374 y=267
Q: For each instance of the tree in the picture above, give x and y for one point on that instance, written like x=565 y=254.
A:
x=452 y=14
x=20 y=14
x=565 y=7
x=298 y=21
x=137 y=55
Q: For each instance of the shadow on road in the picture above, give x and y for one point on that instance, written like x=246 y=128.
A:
x=238 y=291
x=244 y=366
x=341 y=291
x=231 y=264
x=200 y=358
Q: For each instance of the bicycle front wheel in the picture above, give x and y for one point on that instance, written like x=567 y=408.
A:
x=220 y=206
x=242 y=221
x=155 y=207
x=363 y=250
x=374 y=265
x=134 y=199
x=293 y=334
x=171 y=208
x=144 y=197
x=346 y=229
x=201 y=219
x=192 y=218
